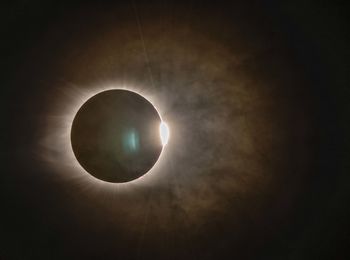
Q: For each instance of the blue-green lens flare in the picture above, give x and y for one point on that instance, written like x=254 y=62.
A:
x=131 y=142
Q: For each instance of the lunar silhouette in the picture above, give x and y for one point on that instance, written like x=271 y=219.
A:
x=115 y=136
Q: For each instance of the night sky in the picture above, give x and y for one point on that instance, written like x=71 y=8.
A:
x=255 y=94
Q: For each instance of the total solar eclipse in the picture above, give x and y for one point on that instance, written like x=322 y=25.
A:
x=117 y=135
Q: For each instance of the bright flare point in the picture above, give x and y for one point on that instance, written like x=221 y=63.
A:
x=164 y=133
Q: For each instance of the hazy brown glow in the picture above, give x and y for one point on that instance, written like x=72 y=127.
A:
x=239 y=112
x=236 y=106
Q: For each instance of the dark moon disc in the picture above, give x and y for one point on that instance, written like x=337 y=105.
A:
x=115 y=135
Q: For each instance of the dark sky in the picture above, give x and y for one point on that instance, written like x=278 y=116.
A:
x=256 y=97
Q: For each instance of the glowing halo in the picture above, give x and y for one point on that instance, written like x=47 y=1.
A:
x=57 y=140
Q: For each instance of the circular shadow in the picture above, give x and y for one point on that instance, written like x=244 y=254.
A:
x=115 y=136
